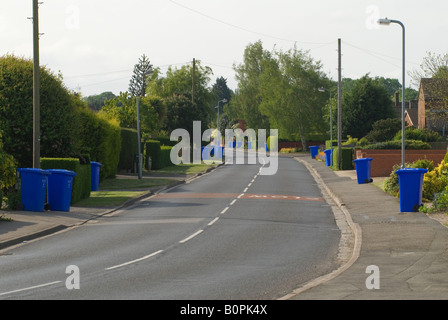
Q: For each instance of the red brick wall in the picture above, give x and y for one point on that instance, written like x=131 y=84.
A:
x=384 y=160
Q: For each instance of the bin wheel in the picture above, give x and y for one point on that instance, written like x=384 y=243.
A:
x=416 y=207
x=368 y=180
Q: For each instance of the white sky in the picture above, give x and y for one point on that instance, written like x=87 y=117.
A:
x=95 y=43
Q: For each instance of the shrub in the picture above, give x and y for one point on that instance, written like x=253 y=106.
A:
x=81 y=182
x=395 y=144
x=129 y=149
x=165 y=152
x=425 y=135
x=152 y=148
x=346 y=158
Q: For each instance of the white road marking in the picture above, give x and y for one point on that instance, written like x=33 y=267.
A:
x=30 y=288
x=136 y=260
x=225 y=209
x=191 y=237
x=213 y=221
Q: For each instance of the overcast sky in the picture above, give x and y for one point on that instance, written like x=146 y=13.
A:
x=95 y=43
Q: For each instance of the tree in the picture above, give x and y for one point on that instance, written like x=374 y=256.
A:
x=246 y=103
x=176 y=87
x=96 y=102
x=221 y=91
x=362 y=106
x=123 y=109
x=137 y=84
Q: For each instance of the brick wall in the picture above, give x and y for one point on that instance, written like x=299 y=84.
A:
x=384 y=160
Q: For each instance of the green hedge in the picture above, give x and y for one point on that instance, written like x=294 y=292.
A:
x=396 y=144
x=129 y=149
x=165 y=152
x=160 y=155
x=101 y=139
x=81 y=182
x=346 y=158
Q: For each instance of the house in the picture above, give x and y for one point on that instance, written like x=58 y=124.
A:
x=433 y=104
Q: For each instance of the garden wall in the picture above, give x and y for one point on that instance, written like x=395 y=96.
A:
x=384 y=160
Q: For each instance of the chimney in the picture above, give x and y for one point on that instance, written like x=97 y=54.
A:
x=397 y=99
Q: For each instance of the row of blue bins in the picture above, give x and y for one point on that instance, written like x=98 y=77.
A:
x=55 y=185
x=410 y=180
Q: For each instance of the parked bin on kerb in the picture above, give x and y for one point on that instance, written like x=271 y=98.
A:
x=328 y=155
x=410 y=182
x=33 y=185
x=95 y=175
x=314 y=151
x=60 y=184
x=205 y=153
x=362 y=166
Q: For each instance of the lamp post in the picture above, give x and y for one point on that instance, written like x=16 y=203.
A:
x=217 y=107
x=331 y=125
x=139 y=164
x=387 y=22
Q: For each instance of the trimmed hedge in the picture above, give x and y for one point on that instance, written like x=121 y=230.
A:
x=160 y=155
x=346 y=158
x=81 y=182
x=129 y=149
x=396 y=144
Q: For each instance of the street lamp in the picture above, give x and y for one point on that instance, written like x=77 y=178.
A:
x=387 y=22
x=217 y=107
x=138 y=131
x=331 y=125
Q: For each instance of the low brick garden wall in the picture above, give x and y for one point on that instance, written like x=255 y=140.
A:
x=384 y=160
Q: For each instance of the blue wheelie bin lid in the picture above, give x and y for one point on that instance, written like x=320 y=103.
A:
x=33 y=170
x=62 y=172
x=363 y=159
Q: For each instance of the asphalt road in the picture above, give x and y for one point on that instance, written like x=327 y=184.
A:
x=230 y=234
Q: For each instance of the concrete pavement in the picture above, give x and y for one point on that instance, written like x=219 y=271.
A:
x=386 y=254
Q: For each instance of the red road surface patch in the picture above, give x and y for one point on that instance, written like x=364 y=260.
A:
x=180 y=195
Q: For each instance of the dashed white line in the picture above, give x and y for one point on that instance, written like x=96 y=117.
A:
x=30 y=288
x=134 y=261
x=213 y=221
x=245 y=189
x=240 y=196
x=233 y=202
x=191 y=237
x=224 y=210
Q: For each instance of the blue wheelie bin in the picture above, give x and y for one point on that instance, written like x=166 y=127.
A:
x=328 y=155
x=363 y=170
x=60 y=184
x=33 y=185
x=410 y=183
x=314 y=151
x=95 y=175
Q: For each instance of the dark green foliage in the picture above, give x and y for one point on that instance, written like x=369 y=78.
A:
x=152 y=148
x=57 y=112
x=346 y=158
x=384 y=130
x=101 y=139
x=81 y=182
x=96 y=102
x=129 y=149
x=366 y=103
x=396 y=144
x=165 y=159
x=425 y=135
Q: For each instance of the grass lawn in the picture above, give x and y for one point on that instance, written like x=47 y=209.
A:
x=133 y=183
x=107 y=198
x=182 y=169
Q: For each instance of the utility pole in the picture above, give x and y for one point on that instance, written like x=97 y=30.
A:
x=192 y=80
x=36 y=85
x=339 y=107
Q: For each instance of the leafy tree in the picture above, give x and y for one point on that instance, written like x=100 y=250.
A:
x=246 y=103
x=221 y=91
x=176 y=87
x=96 y=102
x=137 y=84
x=365 y=104
x=123 y=109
